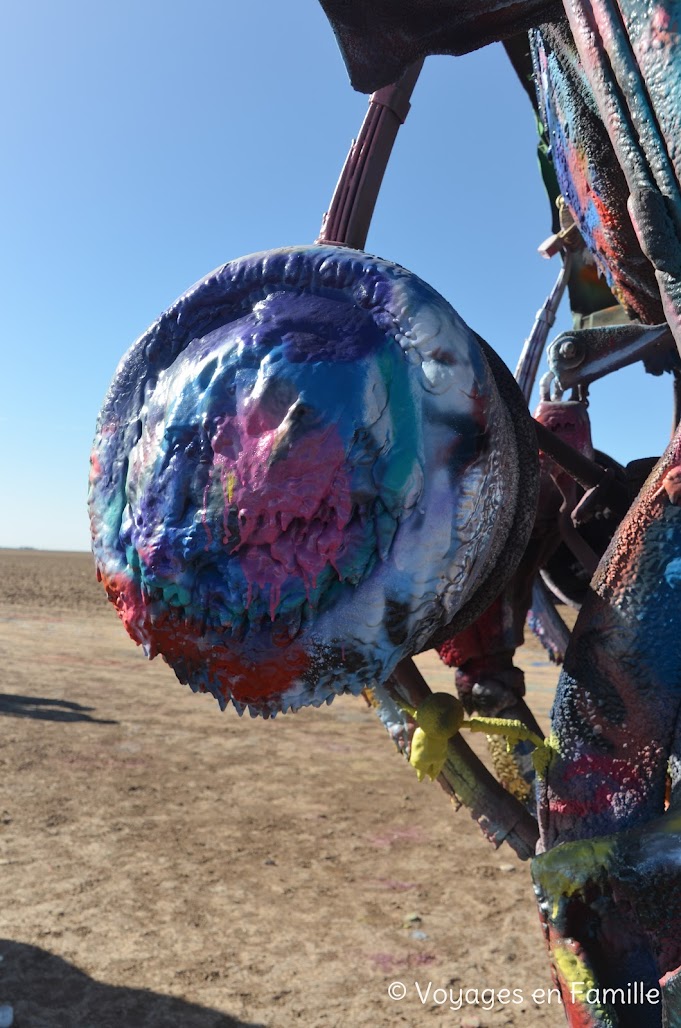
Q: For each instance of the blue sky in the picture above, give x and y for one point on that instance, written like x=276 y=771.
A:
x=147 y=143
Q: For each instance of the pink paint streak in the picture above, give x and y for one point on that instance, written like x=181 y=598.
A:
x=292 y=495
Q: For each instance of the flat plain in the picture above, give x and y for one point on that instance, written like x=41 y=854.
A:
x=165 y=864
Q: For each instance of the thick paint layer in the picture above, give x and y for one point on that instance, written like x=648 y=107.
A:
x=300 y=472
x=589 y=175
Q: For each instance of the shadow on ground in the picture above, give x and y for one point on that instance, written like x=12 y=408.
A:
x=48 y=992
x=44 y=709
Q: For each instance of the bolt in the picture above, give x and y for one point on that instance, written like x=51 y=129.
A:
x=571 y=352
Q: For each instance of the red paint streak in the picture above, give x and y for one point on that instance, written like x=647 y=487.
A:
x=621 y=776
x=95 y=467
x=578 y=1014
x=234 y=673
x=485 y=636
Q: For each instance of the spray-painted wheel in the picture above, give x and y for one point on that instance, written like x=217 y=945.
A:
x=304 y=471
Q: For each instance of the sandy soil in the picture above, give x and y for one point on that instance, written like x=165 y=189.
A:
x=165 y=864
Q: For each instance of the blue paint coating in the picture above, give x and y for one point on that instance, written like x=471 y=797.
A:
x=297 y=477
x=672 y=573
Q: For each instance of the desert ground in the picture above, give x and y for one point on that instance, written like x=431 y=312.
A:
x=166 y=864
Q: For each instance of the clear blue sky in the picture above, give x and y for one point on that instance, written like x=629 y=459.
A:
x=146 y=143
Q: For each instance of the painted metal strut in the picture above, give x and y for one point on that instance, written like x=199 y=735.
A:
x=346 y=223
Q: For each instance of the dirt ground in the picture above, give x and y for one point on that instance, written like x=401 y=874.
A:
x=164 y=864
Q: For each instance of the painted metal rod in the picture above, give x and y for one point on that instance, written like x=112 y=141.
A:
x=526 y=371
x=501 y=816
x=547 y=624
x=544 y=619
x=346 y=223
x=584 y=471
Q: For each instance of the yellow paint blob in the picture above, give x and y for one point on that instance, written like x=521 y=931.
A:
x=231 y=482
x=428 y=754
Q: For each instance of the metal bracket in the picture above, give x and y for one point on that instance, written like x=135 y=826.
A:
x=585 y=355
